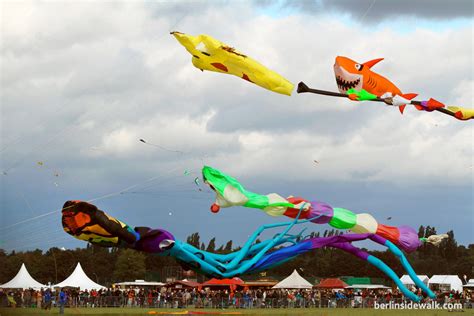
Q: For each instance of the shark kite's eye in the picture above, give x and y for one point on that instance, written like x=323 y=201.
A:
x=359 y=67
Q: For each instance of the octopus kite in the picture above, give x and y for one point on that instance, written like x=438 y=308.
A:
x=86 y=222
x=358 y=82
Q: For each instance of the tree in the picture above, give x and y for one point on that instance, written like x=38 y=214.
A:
x=194 y=240
x=228 y=247
x=130 y=266
x=211 y=247
x=421 y=231
x=448 y=247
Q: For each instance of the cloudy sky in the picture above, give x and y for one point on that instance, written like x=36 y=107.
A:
x=82 y=82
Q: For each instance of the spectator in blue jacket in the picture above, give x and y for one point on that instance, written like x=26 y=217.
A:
x=62 y=301
x=47 y=299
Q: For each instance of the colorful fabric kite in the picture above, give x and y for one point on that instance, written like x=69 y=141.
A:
x=229 y=192
x=213 y=55
x=358 y=82
x=86 y=222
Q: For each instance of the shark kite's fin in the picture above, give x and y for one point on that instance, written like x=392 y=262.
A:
x=372 y=62
x=407 y=96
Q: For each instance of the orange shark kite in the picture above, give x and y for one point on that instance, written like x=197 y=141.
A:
x=352 y=75
x=359 y=83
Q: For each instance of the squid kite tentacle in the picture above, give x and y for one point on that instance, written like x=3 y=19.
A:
x=229 y=192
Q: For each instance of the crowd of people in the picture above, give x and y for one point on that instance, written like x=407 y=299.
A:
x=213 y=298
x=44 y=298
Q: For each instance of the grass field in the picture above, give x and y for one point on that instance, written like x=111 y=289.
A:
x=295 y=311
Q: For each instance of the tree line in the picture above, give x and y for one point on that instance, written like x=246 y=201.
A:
x=109 y=265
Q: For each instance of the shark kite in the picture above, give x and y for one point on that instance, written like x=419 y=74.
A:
x=358 y=82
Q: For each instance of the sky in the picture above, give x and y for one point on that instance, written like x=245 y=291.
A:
x=82 y=82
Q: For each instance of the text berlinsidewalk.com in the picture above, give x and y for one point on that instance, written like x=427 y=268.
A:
x=411 y=305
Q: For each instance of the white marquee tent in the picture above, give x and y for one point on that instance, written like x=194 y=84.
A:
x=22 y=280
x=407 y=281
x=294 y=281
x=79 y=278
x=469 y=284
x=446 y=282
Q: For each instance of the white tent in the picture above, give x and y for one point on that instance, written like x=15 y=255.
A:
x=22 y=280
x=79 y=279
x=469 y=284
x=406 y=280
x=294 y=281
x=445 y=282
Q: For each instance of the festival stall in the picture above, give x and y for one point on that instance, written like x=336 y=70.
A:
x=231 y=283
x=469 y=284
x=368 y=286
x=331 y=284
x=138 y=283
x=408 y=282
x=266 y=283
x=445 y=283
x=183 y=284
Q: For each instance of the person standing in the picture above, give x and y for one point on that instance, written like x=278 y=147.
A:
x=47 y=299
x=62 y=300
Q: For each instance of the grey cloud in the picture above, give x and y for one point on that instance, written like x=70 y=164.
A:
x=81 y=97
x=377 y=10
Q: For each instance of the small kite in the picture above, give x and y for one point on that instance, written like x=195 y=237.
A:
x=161 y=147
x=86 y=222
x=359 y=83
x=213 y=55
x=196 y=181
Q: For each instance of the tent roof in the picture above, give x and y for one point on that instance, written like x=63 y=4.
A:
x=444 y=279
x=332 y=284
x=469 y=284
x=141 y=283
x=367 y=286
x=453 y=280
x=260 y=283
x=79 y=279
x=183 y=282
x=22 y=280
x=293 y=281
x=224 y=282
x=405 y=279
x=358 y=280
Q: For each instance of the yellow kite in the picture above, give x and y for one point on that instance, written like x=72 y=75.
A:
x=462 y=113
x=213 y=55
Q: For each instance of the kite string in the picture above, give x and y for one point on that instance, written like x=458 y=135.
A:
x=41 y=147
x=91 y=200
x=367 y=11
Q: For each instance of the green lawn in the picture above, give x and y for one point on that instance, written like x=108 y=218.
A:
x=294 y=311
